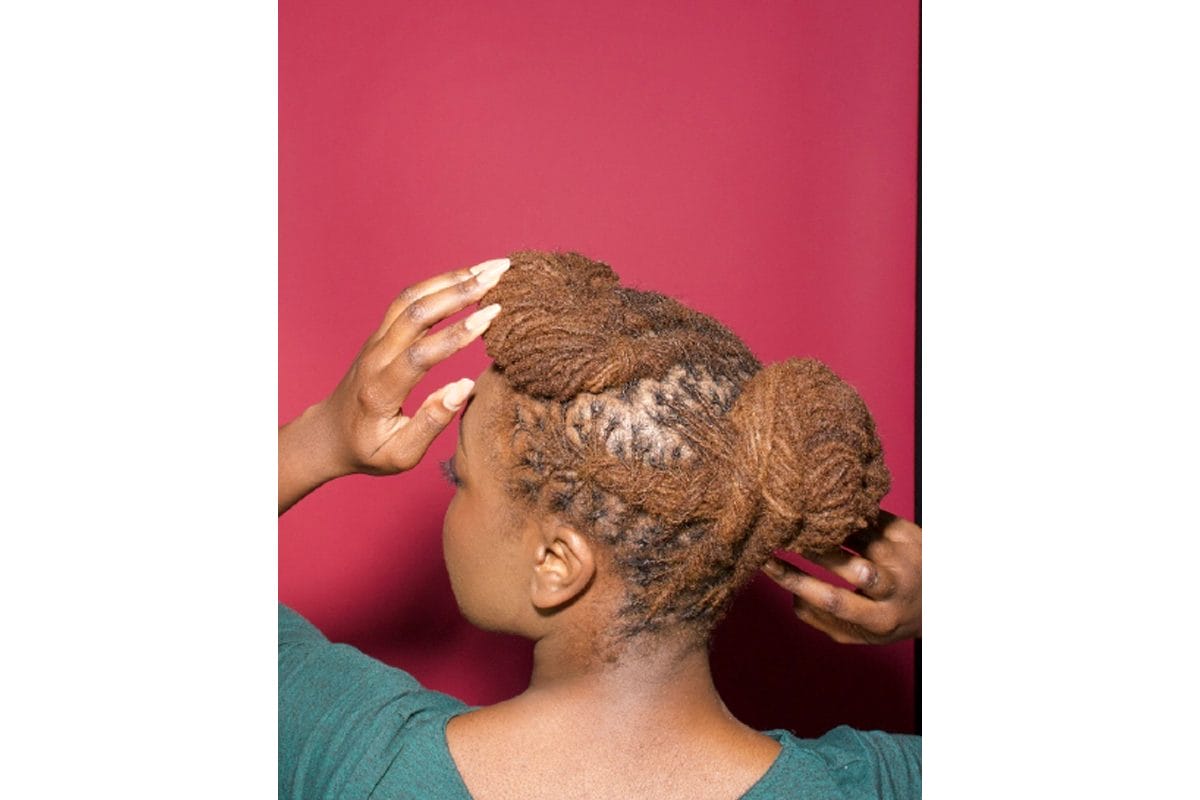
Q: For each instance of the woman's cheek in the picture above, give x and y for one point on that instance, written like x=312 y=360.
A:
x=450 y=543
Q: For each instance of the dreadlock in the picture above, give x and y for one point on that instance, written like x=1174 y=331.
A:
x=656 y=432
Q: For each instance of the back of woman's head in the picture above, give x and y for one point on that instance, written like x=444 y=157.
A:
x=654 y=431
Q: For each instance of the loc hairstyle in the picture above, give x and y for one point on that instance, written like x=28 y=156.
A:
x=654 y=430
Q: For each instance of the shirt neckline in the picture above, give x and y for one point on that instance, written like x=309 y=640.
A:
x=785 y=738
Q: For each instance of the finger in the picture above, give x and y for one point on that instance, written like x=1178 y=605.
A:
x=882 y=625
x=399 y=377
x=835 y=629
x=834 y=601
x=406 y=449
x=425 y=312
x=877 y=535
x=902 y=531
x=427 y=287
x=866 y=575
x=887 y=530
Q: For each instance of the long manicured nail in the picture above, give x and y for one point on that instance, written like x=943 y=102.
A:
x=773 y=568
x=491 y=276
x=502 y=263
x=457 y=394
x=482 y=318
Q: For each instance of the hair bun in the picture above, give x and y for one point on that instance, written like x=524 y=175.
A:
x=568 y=326
x=809 y=452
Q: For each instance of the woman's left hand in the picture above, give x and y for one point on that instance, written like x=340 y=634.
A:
x=886 y=606
x=362 y=427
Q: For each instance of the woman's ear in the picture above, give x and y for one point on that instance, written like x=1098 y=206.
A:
x=563 y=566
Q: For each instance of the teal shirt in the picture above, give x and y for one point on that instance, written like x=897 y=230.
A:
x=353 y=727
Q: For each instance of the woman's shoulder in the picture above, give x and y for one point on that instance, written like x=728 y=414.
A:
x=845 y=763
x=346 y=719
x=314 y=670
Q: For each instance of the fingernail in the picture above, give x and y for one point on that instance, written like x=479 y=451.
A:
x=488 y=279
x=495 y=263
x=491 y=276
x=482 y=318
x=457 y=394
x=773 y=568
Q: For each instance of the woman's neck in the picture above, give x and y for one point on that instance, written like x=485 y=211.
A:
x=645 y=722
x=655 y=681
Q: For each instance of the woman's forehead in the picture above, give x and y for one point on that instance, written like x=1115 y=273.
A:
x=480 y=412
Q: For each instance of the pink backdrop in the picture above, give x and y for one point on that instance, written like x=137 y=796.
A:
x=756 y=160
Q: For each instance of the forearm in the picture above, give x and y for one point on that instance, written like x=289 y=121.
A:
x=306 y=456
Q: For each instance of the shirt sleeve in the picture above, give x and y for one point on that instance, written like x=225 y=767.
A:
x=342 y=714
x=873 y=764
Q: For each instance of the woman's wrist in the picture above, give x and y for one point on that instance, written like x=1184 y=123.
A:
x=309 y=455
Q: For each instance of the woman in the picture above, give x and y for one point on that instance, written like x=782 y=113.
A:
x=622 y=469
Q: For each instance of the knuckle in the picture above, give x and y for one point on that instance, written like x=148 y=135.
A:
x=869 y=576
x=368 y=396
x=417 y=358
x=417 y=313
x=431 y=420
x=831 y=602
x=883 y=626
x=405 y=298
x=369 y=363
x=402 y=302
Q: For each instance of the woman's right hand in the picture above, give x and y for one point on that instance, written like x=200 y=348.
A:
x=885 y=568
x=362 y=427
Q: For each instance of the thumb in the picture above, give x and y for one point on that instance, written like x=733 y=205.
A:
x=430 y=419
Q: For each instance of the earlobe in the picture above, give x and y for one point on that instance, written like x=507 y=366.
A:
x=563 y=567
